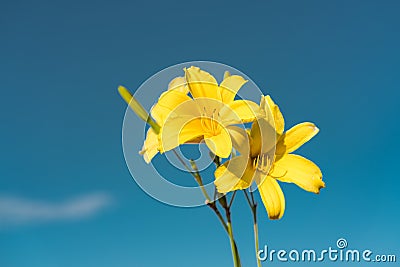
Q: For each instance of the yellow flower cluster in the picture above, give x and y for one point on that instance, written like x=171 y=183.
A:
x=196 y=108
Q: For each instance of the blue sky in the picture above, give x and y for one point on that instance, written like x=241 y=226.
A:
x=335 y=63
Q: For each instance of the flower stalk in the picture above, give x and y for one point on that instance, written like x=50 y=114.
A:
x=235 y=252
x=253 y=207
x=223 y=202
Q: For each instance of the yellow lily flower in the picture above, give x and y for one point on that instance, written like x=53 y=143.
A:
x=210 y=113
x=167 y=102
x=257 y=164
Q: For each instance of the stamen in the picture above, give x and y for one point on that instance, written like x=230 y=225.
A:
x=203 y=118
x=262 y=163
x=213 y=126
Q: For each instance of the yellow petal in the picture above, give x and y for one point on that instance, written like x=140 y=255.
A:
x=201 y=83
x=296 y=137
x=179 y=84
x=220 y=144
x=239 y=111
x=272 y=197
x=191 y=131
x=247 y=110
x=240 y=139
x=230 y=86
x=263 y=137
x=150 y=146
x=167 y=102
x=179 y=130
x=235 y=174
x=301 y=171
x=278 y=117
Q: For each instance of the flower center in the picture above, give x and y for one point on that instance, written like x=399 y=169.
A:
x=209 y=121
x=262 y=163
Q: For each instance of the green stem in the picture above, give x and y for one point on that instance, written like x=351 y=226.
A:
x=194 y=171
x=198 y=179
x=223 y=202
x=212 y=204
x=257 y=247
x=219 y=215
x=232 y=198
x=235 y=254
x=253 y=207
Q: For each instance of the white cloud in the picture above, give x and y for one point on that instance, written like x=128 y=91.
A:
x=18 y=210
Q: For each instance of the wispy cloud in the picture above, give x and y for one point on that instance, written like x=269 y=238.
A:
x=16 y=210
